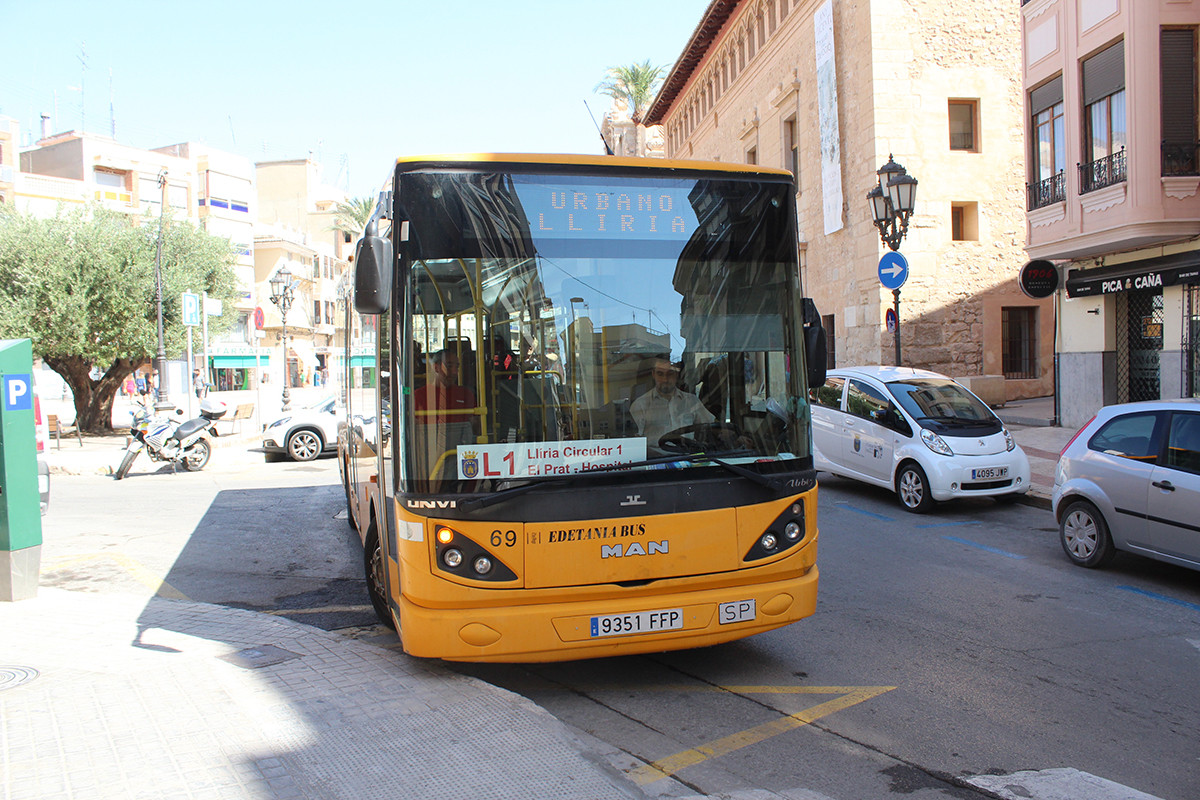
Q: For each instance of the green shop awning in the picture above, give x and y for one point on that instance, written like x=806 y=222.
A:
x=238 y=362
x=362 y=361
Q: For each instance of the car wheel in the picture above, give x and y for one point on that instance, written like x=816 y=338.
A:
x=1084 y=535
x=376 y=587
x=304 y=445
x=912 y=487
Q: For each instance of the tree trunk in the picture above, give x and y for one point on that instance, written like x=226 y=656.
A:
x=93 y=398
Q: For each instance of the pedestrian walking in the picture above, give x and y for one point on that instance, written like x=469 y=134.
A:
x=199 y=384
x=140 y=384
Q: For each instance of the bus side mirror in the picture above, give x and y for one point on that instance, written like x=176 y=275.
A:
x=815 y=353
x=372 y=275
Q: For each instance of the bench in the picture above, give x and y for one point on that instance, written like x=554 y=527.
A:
x=57 y=427
x=241 y=412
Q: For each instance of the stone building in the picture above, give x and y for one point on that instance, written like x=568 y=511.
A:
x=830 y=89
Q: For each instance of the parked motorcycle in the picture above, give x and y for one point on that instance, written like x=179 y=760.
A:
x=166 y=439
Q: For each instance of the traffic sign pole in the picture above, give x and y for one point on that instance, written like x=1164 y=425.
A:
x=893 y=272
x=896 y=307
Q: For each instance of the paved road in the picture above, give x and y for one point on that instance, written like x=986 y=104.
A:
x=944 y=647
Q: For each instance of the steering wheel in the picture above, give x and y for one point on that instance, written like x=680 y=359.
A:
x=700 y=437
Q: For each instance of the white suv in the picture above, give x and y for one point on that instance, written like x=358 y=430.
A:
x=915 y=432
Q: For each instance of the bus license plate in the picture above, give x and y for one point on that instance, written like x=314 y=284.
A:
x=740 y=611
x=989 y=473
x=667 y=619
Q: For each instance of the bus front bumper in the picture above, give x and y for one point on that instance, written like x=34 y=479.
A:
x=568 y=631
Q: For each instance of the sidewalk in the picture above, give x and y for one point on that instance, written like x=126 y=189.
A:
x=115 y=697
x=1030 y=422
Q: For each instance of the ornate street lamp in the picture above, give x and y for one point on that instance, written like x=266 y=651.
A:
x=892 y=201
x=282 y=290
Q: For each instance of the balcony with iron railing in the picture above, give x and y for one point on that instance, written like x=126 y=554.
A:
x=1180 y=159
x=1047 y=192
x=1102 y=172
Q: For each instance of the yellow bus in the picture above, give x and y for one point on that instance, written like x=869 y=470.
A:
x=577 y=409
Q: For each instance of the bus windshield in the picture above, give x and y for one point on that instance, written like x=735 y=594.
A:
x=568 y=324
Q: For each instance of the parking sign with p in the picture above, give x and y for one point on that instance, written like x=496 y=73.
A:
x=18 y=392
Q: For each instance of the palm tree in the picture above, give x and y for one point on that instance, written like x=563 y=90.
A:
x=636 y=84
x=351 y=216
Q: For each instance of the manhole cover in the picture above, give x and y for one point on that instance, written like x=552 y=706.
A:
x=266 y=655
x=12 y=677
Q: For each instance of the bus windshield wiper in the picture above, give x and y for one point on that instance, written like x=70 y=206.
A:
x=516 y=491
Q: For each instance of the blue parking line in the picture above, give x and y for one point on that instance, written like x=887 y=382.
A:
x=866 y=513
x=951 y=524
x=995 y=550
x=1163 y=597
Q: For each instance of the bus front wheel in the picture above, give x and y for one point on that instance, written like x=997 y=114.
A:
x=376 y=580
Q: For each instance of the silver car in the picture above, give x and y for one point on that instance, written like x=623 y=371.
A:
x=1130 y=480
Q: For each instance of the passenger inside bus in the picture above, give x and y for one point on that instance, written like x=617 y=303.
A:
x=667 y=408
x=455 y=403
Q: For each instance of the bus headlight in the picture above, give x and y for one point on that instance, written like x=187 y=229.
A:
x=785 y=533
x=462 y=556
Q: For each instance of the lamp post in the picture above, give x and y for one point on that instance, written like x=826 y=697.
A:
x=160 y=356
x=282 y=290
x=892 y=202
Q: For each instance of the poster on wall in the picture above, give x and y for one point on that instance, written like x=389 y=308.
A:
x=827 y=101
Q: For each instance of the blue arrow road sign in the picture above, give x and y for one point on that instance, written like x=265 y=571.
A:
x=893 y=270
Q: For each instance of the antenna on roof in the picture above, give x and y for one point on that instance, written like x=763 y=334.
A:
x=607 y=150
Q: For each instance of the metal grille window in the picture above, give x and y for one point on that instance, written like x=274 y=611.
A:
x=1191 y=340
x=1139 y=345
x=828 y=323
x=1019 y=330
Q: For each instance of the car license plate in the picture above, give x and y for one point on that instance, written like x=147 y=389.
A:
x=989 y=473
x=666 y=619
x=740 y=611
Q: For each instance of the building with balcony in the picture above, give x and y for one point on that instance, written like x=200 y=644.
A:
x=1113 y=193
x=830 y=90
x=296 y=211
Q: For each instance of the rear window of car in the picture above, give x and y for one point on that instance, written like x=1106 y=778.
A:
x=1133 y=436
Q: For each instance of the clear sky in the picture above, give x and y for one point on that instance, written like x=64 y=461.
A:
x=355 y=83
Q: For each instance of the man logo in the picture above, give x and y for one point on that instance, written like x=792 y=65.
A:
x=634 y=549
x=470 y=464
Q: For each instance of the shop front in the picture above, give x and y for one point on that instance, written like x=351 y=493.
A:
x=237 y=367
x=1136 y=326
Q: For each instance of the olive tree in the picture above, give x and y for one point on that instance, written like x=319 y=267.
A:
x=81 y=286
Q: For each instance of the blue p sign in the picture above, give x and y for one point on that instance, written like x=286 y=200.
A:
x=190 y=311
x=18 y=392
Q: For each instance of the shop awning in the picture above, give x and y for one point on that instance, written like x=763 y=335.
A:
x=1150 y=273
x=240 y=362
x=362 y=361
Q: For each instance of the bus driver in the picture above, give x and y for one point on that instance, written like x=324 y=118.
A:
x=667 y=407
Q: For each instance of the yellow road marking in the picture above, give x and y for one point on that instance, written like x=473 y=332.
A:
x=136 y=569
x=850 y=695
